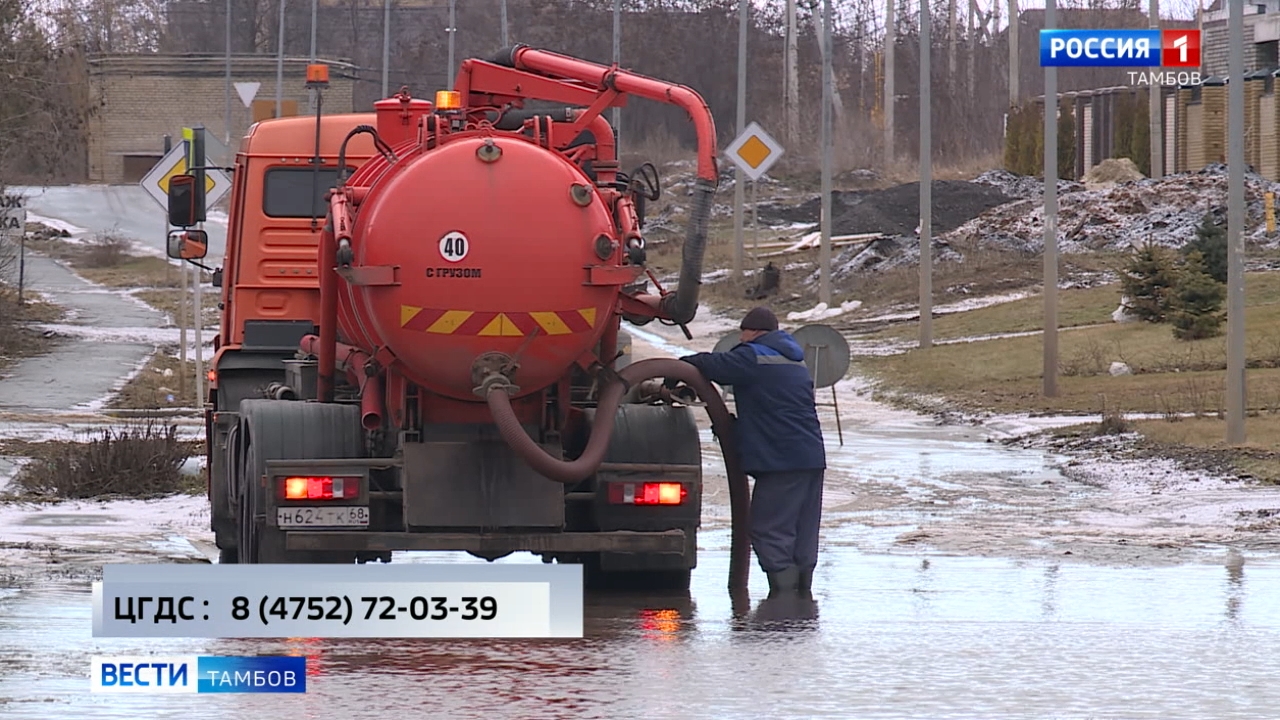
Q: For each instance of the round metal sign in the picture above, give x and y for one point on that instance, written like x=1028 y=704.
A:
x=826 y=352
x=728 y=342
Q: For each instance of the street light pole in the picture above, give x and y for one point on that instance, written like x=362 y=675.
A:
x=739 y=177
x=227 y=116
x=617 y=58
x=926 y=179
x=1155 y=99
x=280 y=65
x=386 y=46
x=1235 y=227
x=828 y=92
x=453 y=30
x=505 y=40
x=1050 y=218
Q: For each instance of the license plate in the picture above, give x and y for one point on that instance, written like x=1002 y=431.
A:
x=344 y=516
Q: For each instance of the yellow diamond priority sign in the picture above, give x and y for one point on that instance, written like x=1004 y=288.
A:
x=754 y=152
x=156 y=182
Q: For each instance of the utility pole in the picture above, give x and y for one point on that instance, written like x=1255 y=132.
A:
x=505 y=41
x=951 y=38
x=926 y=175
x=1155 y=97
x=227 y=122
x=453 y=30
x=1050 y=217
x=973 y=50
x=311 y=92
x=890 y=39
x=1235 y=227
x=617 y=58
x=739 y=177
x=792 y=77
x=824 y=262
x=1014 y=92
x=280 y=65
x=386 y=44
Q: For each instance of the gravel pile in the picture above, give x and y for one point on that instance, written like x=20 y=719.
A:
x=1166 y=210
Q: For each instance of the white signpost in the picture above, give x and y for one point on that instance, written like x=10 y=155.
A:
x=216 y=186
x=754 y=152
x=13 y=221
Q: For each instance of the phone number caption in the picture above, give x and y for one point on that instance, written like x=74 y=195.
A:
x=338 y=608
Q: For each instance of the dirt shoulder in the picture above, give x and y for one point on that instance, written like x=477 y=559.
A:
x=1171 y=393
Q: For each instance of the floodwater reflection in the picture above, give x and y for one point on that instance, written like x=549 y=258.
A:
x=882 y=636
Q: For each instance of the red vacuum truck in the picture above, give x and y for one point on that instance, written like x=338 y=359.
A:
x=421 y=344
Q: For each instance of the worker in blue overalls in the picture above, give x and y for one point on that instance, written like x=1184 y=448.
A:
x=780 y=440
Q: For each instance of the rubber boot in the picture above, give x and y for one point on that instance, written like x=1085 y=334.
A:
x=805 y=581
x=784 y=581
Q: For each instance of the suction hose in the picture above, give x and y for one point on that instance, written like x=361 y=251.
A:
x=572 y=471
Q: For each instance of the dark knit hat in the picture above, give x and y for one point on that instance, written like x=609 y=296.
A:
x=760 y=318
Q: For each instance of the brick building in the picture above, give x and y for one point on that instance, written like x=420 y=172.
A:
x=138 y=99
x=1261 y=33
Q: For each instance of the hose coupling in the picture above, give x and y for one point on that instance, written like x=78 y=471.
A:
x=493 y=383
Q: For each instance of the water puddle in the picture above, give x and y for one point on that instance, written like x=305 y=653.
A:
x=935 y=636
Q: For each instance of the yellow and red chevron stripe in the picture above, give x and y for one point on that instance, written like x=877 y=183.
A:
x=496 y=324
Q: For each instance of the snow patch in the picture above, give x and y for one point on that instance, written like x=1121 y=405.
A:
x=75 y=231
x=821 y=311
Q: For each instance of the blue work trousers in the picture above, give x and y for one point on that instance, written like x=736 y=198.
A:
x=786 y=512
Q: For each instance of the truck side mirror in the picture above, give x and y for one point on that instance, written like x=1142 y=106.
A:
x=188 y=244
x=182 y=200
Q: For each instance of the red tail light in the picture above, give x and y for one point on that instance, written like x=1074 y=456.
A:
x=319 y=488
x=649 y=493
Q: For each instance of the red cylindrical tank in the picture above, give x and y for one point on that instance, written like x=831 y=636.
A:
x=491 y=248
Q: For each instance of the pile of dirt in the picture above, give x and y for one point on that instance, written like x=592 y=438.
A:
x=1024 y=187
x=1111 y=171
x=1119 y=217
x=809 y=212
x=895 y=210
x=883 y=254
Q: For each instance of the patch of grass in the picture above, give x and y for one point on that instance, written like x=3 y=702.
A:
x=1168 y=375
x=169 y=301
x=162 y=377
x=1257 y=457
x=17 y=339
x=108 y=262
x=1076 y=307
x=137 y=461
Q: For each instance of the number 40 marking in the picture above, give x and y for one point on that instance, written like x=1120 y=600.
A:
x=454 y=246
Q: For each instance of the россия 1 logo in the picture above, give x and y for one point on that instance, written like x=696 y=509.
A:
x=1126 y=48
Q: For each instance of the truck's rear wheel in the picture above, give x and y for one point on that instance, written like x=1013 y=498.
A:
x=649 y=434
x=287 y=430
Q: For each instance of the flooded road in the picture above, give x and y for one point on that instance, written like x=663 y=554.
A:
x=959 y=578
x=886 y=636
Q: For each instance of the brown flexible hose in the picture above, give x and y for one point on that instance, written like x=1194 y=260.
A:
x=571 y=471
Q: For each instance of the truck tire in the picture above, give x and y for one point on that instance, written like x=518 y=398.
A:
x=287 y=430
x=658 y=434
